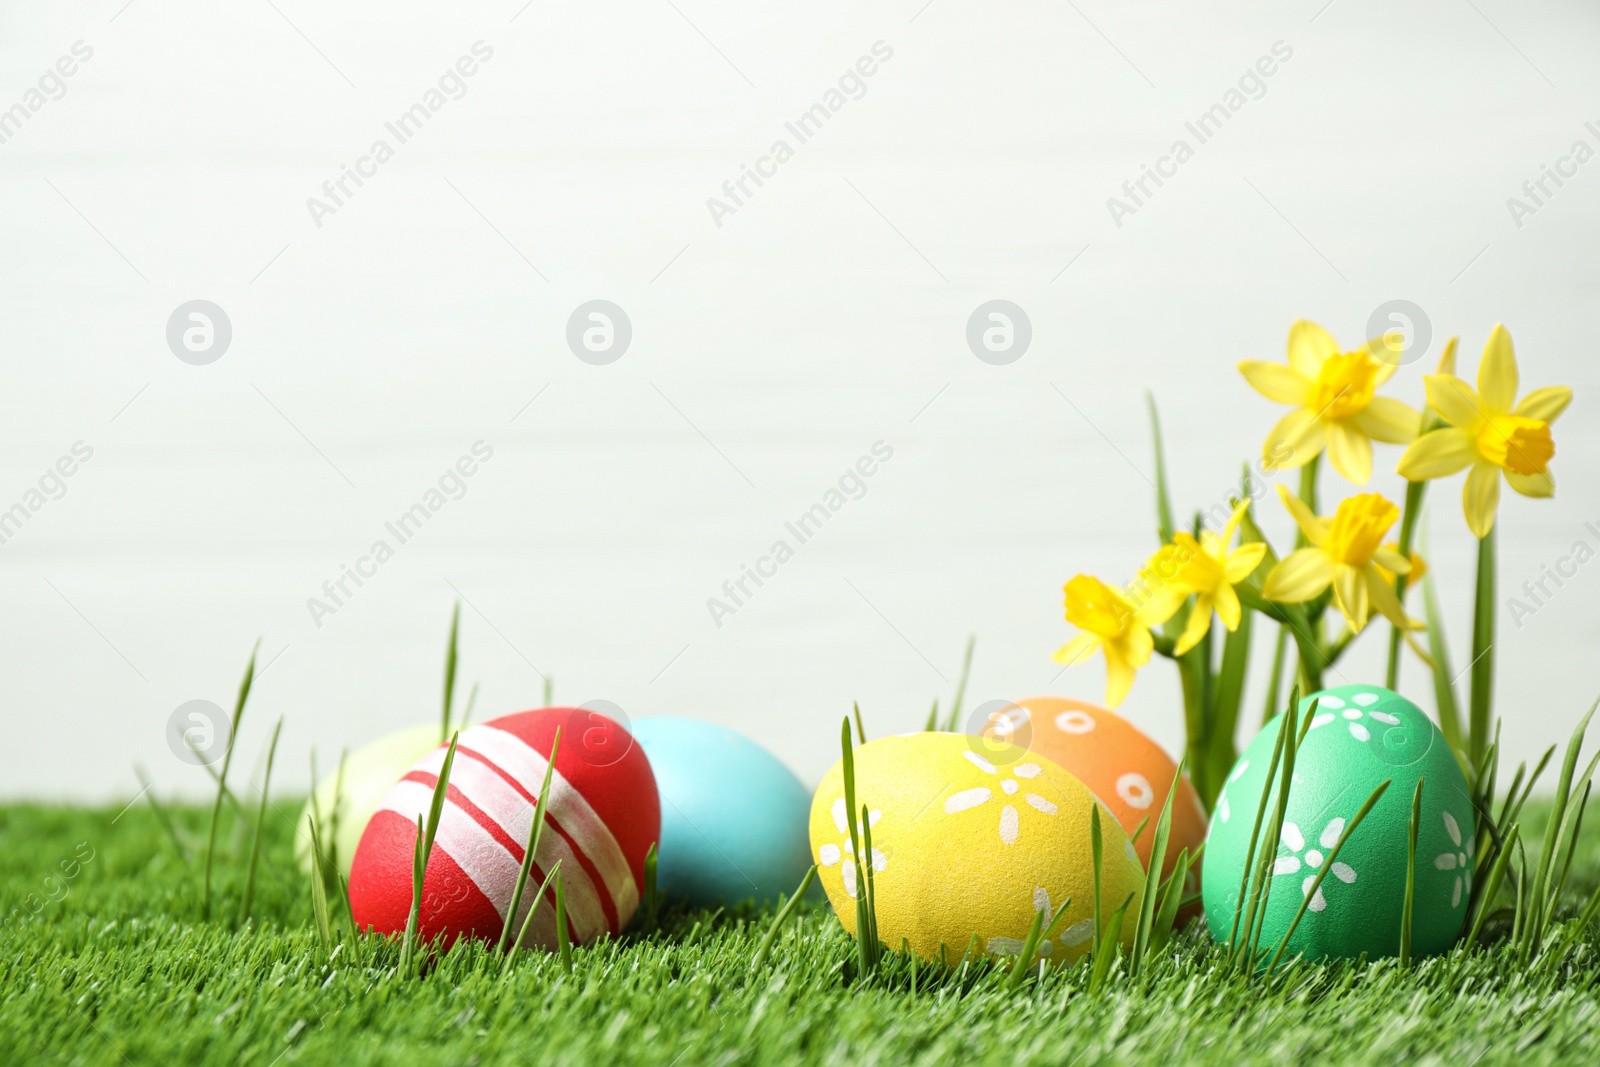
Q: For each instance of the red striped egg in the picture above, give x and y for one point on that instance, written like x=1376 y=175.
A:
x=604 y=814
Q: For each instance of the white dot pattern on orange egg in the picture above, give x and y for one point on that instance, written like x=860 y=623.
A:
x=1074 y=722
x=1135 y=790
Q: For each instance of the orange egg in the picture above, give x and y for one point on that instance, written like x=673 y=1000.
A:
x=1128 y=771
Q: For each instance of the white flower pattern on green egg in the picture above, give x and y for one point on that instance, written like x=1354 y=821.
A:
x=1330 y=708
x=830 y=854
x=1459 y=861
x=1312 y=859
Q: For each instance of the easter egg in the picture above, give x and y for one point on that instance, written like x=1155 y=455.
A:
x=1123 y=767
x=369 y=771
x=603 y=817
x=733 y=817
x=1359 y=736
x=970 y=840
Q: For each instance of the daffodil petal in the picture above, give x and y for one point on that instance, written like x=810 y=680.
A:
x=1480 y=497
x=1391 y=560
x=1294 y=441
x=1315 y=529
x=1197 y=627
x=1455 y=401
x=1447 y=359
x=1350 y=452
x=1535 y=485
x=1309 y=347
x=1077 y=650
x=1437 y=455
x=1242 y=561
x=1350 y=593
x=1497 y=373
x=1119 y=679
x=1382 y=597
x=1304 y=574
x=1226 y=605
x=1546 y=403
x=1277 y=382
x=1388 y=420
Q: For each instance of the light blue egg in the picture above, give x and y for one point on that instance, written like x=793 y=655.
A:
x=734 y=819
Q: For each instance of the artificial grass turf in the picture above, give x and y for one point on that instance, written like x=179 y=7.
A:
x=120 y=969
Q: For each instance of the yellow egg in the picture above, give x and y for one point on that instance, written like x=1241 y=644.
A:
x=971 y=839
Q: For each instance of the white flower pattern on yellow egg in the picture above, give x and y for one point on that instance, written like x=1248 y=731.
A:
x=1071 y=937
x=1010 y=820
x=1459 y=860
x=1312 y=858
x=830 y=854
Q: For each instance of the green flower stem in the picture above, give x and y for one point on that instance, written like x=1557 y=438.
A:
x=1275 y=683
x=1415 y=491
x=1308 y=493
x=1482 y=667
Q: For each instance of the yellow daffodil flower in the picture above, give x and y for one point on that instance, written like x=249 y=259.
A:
x=1334 y=406
x=1419 y=567
x=1117 y=623
x=1209 y=570
x=1490 y=432
x=1345 y=553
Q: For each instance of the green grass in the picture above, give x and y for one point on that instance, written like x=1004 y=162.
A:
x=121 y=969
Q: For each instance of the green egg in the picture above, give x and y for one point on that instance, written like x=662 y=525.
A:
x=1360 y=736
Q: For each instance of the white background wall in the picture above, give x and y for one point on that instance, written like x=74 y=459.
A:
x=768 y=354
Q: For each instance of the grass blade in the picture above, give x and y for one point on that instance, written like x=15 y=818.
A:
x=222 y=776
x=1152 y=879
x=319 y=890
x=1533 y=931
x=261 y=822
x=1096 y=847
x=1164 y=526
x=1106 y=947
x=1491 y=884
x=861 y=731
x=652 y=897
x=1255 y=829
x=535 y=832
x=866 y=943
x=783 y=917
x=419 y=869
x=1171 y=901
x=933 y=717
x=1327 y=865
x=961 y=686
x=1411 y=877
x=1482 y=666
x=162 y=816
x=527 y=920
x=563 y=943
x=450 y=672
